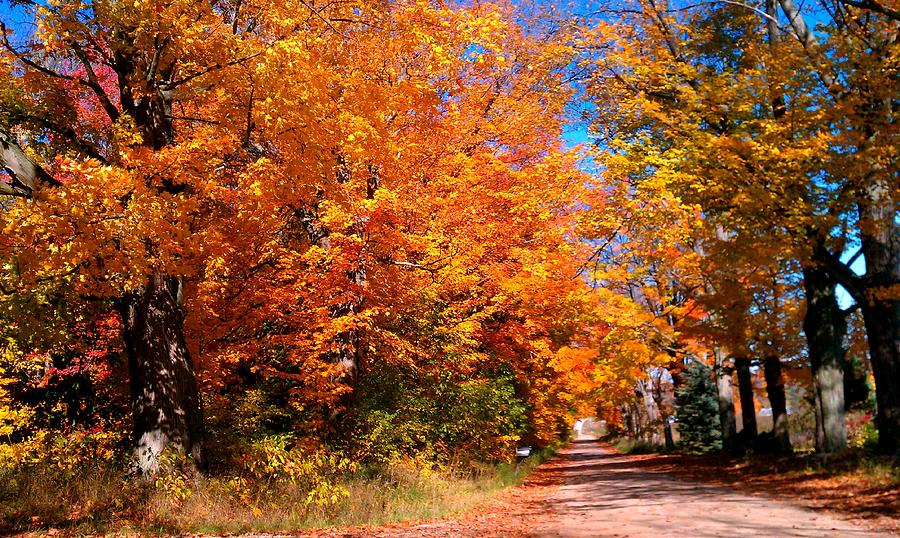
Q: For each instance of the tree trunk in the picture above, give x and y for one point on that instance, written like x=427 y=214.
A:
x=880 y=235
x=748 y=407
x=165 y=401
x=778 y=403
x=825 y=325
x=667 y=432
x=882 y=333
x=725 y=396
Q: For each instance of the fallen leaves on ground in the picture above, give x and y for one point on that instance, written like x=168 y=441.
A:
x=841 y=486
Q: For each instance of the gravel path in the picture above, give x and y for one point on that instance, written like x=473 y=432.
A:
x=606 y=494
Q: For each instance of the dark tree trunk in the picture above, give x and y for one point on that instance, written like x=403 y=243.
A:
x=667 y=432
x=725 y=396
x=165 y=400
x=825 y=325
x=778 y=402
x=748 y=407
x=882 y=333
x=880 y=304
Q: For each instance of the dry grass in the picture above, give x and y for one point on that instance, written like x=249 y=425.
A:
x=105 y=501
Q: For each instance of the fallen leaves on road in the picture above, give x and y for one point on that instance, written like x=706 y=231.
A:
x=840 y=485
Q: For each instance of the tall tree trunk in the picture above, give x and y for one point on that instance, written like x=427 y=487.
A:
x=825 y=325
x=880 y=303
x=771 y=363
x=778 y=403
x=748 y=406
x=725 y=396
x=882 y=334
x=165 y=400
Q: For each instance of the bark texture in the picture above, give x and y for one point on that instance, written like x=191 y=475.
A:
x=725 y=396
x=879 y=302
x=165 y=401
x=825 y=326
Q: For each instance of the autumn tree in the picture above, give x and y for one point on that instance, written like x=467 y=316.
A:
x=865 y=99
x=732 y=113
x=299 y=195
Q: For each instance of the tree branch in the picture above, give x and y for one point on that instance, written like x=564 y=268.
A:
x=168 y=86
x=25 y=173
x=871 y=5
x=94 y=83
x=842 y=274
x=806 y=37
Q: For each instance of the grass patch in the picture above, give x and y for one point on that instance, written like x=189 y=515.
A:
x=630 y=445
x=99 y=501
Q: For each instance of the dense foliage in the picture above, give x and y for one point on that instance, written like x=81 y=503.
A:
x=276 y=240
x=350 y=225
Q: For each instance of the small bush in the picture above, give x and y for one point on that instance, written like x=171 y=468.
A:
x=442 y=420
x=697 y=410
x=862 y=432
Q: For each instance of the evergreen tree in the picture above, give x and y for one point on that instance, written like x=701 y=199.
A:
x=697 y=410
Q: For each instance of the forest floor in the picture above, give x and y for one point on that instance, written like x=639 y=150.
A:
x=590 y=489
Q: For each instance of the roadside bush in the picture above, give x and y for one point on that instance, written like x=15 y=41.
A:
x=697 y=410
x=862 y=431
x=438 y=419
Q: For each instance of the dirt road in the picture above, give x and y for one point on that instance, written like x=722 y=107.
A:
x=608 y=494
x=592 y=491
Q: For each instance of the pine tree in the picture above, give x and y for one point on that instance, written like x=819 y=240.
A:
x=697 y=410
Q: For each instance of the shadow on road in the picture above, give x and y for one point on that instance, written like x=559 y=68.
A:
x=605 y=493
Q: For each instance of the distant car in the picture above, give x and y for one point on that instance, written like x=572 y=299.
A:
x=523 y=451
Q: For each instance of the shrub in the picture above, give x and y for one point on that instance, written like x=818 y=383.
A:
x=437 y=418
x=697 y=410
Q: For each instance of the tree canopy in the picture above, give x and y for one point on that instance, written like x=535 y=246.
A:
x=366 y=226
